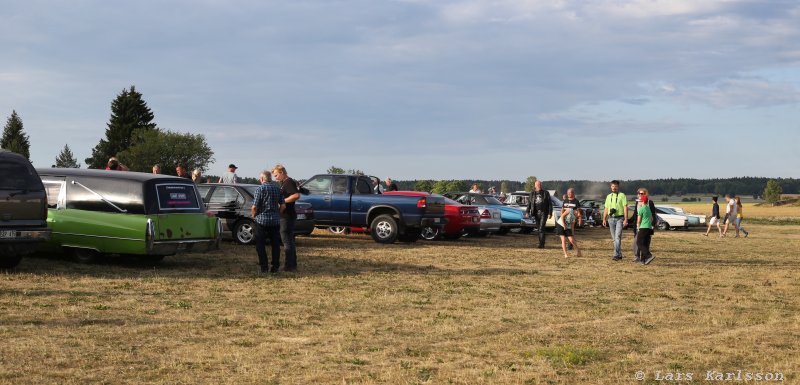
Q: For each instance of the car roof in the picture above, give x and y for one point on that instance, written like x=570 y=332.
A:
x=110 y=174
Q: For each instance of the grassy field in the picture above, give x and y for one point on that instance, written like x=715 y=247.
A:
x=475 y=311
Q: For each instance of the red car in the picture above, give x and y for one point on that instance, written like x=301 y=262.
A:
x=461 y=219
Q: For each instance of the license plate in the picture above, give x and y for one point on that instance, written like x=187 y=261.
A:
x=8 y=233
x=301 y=216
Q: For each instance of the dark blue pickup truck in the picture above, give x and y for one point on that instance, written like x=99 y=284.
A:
x=349 y=200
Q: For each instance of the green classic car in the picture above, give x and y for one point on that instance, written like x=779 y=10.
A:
x=96 y=212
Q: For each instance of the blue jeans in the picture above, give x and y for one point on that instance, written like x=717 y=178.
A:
x=615 y=226
x=287 y=236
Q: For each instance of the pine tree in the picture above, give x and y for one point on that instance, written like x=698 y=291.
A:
x=14 y=139
x=773 y=191
x=66 y=159
x=129 y=113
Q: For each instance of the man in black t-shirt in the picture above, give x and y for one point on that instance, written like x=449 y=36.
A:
x=540 y=207
x=290 y=194
x=571 y=214
x=390 y=185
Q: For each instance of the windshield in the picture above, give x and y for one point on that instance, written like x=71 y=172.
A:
x=492 y=200
x=449 y=201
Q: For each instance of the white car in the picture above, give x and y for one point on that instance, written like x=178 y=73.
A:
x=670 y=220
x=694 y=219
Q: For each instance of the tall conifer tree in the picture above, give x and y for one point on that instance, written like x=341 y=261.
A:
x=14 y=138
x=66 y=159
x=129 y=112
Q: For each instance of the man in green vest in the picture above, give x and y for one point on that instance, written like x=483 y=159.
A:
x=615 y=217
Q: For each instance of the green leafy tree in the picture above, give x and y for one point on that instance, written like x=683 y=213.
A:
x=355 y=172
x=439 y=187
x=773 y=191
x=66 y=159
x=423 y=185
x=129 y=114
x=167 y=148
x=456 y=186
x=529 y=182
x=14 y=139
x=504 y=187
x=335 y=170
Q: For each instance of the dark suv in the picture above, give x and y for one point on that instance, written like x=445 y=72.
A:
x=23 y=209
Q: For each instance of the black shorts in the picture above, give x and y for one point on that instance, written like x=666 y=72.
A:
x=562 y=231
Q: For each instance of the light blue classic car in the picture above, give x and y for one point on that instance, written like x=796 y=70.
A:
x=512 y=217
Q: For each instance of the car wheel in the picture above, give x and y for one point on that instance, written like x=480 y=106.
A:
x=10 y=262
x=663 y=226
x=244 y=232
x=338 y=229
x=384 y=229
x=526 y=230
x=85 y=255
x=429 y=233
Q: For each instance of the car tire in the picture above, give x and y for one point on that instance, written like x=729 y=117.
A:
x=663 y=226
x=85 y=255
x=10 y=262
x=430 y=233
x=244 y=232
x=526 y=230
x=384 y=229
x=338 y=229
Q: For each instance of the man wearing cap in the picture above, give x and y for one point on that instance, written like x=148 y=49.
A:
x=615 y=216
x=230 y=176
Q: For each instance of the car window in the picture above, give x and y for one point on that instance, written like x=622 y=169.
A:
x=177 y=197
x=363 y=186
x=479 y=200
x=203 y=190
x=224 y=195
x=101 y=194
x=449 y=201
x=55 y=193
x=492 y=200
x=15 y=175
x=340 y=185
x=320 y=184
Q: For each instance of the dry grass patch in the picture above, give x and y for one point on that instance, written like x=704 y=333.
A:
x=475 y=311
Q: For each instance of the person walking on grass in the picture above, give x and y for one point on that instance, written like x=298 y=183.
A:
x=644 y=223
x=730 y=213
x=615 y=217
x=540 y=207
x=714 y=220
x=565 y=225
x=266 y=213
x=739 y=217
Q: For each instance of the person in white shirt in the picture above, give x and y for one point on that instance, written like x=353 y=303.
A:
x=730 y=213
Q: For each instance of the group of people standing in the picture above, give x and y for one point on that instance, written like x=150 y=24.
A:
x=274 y=216
x=615 y=217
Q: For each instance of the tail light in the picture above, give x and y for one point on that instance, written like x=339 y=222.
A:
x=149 y=235
x=486 y=214
x=422 y=203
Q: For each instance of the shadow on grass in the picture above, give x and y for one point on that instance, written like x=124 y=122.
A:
x=235 y=261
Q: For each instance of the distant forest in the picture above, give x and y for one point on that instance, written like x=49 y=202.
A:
x=744 y=186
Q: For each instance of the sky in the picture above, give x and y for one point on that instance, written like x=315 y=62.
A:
x=418 y=89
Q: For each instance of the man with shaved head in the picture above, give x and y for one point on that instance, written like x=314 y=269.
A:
x=540 y=208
